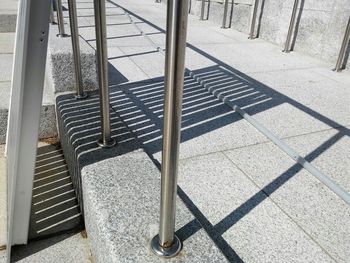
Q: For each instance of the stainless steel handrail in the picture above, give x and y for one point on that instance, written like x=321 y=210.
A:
x=106 y=140
x=166 y=243
x=52 y=15
x=224 y=19
x=253 y=20
x=202 y=10
x=340 y=62
x=287 y=46
x=60 y=19
x=73 y=21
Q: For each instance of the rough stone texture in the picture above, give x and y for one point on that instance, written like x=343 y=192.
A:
x=48 y=115
x=122 y=213
x=253 y=225
x=250 y=212
x=320 y=24
x=59 y=249
x=60 y=68
x=316 y=209
x=8 y=15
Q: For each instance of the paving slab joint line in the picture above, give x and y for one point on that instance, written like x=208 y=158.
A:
x=280 y=207
x=333 y=186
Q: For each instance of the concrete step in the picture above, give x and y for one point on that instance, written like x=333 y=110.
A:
x=55 y=206
x=55 y=213
x=8 y=15
x=67 y=247
x=48 y=117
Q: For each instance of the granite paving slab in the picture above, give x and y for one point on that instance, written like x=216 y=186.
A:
x=315 y=208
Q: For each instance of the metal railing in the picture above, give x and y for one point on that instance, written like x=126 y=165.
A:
x=166 y=243
x=340 y=62
x=106 y=140
x=73 y=21
x=287 y=46
x=52 y=15
x=224 y=17
x=253 y=20
x=60 y=19
x=202 y=10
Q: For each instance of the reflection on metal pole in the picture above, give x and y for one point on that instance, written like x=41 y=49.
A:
x=287 y=47
x=202 y=10
x=253 y=21
x=340 y=62
x=102 y=69
x=60 y=20
x=166 y=244
x=76 y=49
x=224 y=20
x=52 y=15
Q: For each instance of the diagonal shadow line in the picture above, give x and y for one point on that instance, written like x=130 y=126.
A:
x=269 y=189
x=239 y=74
x=200 y=222
x=134 y=54
x=216 y=232
x=126 y=36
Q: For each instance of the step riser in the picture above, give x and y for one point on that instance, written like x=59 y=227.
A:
x=60 y=67
x=47 y=123
x=8 y=23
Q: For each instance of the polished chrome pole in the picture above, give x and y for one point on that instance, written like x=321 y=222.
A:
x=287 y=46
x=202 y=10
x=52 y=15
x=253 y=21
x=224 y=20
x=60 y=20
x=340 y=61
x=102 y=69
x=166 y=244
x=73 y=21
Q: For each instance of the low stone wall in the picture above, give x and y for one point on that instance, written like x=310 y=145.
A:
x=320 y=24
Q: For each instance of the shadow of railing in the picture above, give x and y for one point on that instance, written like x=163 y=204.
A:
x=137 y=117
x=55 y=206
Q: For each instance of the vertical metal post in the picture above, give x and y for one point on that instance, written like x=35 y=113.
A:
x=253 y=21
x=202 y=10
x=291 y=27
x=24 y=114
x=52 y=15
x=224 y=19
x=166 y=244
x=73 y=21
x=60 y=20
x=340 y=61
x=102 y=69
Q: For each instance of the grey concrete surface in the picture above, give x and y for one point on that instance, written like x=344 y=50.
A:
x=8 y=15
x=253 y=202
x=64 y=248
x=308 y=202
x=55 y=207
x=60 y=74
x=320 y=26
x=122 y=208
x=252 y=224
x=48 y=118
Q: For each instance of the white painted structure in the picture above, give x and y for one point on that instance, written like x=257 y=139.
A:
x=24 y=113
